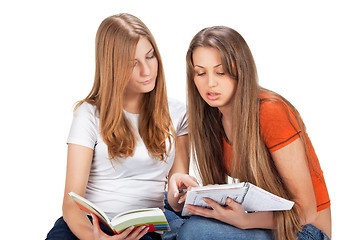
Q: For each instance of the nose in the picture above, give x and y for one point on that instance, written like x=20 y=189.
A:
x=145 y=69
x=212 y=81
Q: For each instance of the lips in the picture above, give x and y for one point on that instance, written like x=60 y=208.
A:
x=212 y=95
x=147 y=82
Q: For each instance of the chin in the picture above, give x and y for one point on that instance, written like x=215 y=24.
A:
x=149 y=89
x=214 y=104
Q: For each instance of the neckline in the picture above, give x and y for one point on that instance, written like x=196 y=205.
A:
x=131 y=114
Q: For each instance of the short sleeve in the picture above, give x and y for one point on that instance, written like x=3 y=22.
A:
x=279 y=126
x=84 y=127
x=178 y=116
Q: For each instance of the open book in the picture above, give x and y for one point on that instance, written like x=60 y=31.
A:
x=153 y=218
x=251 y=197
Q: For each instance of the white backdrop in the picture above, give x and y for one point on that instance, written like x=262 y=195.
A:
x=308 y=51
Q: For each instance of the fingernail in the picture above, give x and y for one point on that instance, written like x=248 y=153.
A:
x=228 y=200
x=147 y=229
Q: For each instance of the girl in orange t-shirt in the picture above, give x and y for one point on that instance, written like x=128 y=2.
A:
x=241 y=130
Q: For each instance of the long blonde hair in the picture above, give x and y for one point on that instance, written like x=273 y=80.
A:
x=251 y=159
x=116 y=42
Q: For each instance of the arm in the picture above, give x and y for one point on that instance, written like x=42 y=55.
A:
x=77 y=174
x=178 y=175
x=291 y=164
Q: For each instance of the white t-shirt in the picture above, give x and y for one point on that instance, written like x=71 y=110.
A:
x=135 y=182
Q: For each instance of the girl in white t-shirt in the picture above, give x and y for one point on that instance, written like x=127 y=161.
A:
x=126 y=137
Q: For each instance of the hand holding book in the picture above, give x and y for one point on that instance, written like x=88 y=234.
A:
x=231 y=203
x=251 y=197
x=129 y=233
x=153 y=218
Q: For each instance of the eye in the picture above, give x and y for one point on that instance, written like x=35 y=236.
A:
x=200 y=74
x=220 y=73
x=151 y=56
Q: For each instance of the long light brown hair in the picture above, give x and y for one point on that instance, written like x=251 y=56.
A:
x=251 y=158
x=116 y=42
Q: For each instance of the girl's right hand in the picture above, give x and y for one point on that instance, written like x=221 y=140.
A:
x=181 y=181
x=130 y=233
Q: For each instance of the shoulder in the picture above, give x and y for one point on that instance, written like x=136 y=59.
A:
x=178 y=117
x=278 y=121
x=175 y=105
x=177 y=109
x=273 y=106
x=85 y=109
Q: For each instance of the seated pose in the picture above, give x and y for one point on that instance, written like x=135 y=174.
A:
x=126 y=135
x=251 y=134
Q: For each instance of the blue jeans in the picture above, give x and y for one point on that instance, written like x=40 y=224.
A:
x=310 y=232
x=61 y=231
x=200 y=228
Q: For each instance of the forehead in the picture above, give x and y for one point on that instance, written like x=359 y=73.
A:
x=206 y=57
x=143 y=46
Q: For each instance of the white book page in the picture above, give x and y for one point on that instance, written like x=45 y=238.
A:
x=258 y=199
x=218 y=194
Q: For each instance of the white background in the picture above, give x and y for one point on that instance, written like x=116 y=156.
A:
x=308 y=51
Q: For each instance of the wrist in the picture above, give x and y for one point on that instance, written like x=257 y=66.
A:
x=245 y=222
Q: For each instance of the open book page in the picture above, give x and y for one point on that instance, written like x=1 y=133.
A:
x=258 y=199
x=251 y=197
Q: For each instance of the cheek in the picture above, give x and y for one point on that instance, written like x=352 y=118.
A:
x=198 y=86
x=155 y=65
x=232 y=88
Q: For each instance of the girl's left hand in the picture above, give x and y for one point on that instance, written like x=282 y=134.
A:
x=233 y=214
x=130 y=233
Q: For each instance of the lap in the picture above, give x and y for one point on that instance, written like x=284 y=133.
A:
x=310 y=232
x=197 y=227
x=61 y=231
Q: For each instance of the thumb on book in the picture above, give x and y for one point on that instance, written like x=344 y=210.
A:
x=232 y=204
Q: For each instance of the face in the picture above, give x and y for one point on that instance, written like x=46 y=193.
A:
x=213 y=84
x=144 y=74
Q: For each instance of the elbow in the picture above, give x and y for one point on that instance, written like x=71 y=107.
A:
x=176 y=207
x=309 y=214
x=65 y=211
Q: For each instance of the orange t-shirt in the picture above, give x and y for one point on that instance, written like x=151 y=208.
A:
x=277 y=132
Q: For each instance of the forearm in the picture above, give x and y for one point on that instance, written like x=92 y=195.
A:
x=178 y=175
x=174 y=200
x=266 y=219
x=258 y=220
x=77 y=221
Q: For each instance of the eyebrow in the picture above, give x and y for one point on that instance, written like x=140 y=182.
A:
x=150 y=50
x=204 y=67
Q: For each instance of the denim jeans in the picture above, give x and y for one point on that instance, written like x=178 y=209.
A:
x=200 y=228
x=61 y=231
x=310 y=232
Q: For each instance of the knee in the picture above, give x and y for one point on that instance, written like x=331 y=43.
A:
x=60 y=231
x=200 y=228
